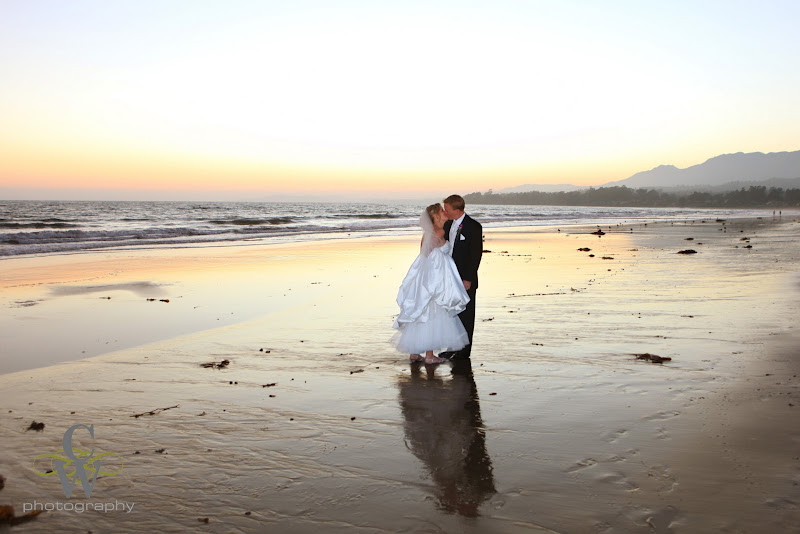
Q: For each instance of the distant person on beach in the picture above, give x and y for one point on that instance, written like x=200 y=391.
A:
x=466 y=237
x=431 y=296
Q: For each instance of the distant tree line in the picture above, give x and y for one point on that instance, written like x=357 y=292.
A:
x=621 y=196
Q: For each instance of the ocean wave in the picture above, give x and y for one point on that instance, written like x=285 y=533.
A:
x=71 y=227
x=48 y=242
x=37 y=225
x=254 y=222
x=123 y=235
x=366 y=216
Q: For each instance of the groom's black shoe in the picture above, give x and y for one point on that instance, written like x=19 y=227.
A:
x=462 y=354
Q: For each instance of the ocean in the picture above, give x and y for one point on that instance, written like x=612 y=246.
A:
x=70 y=227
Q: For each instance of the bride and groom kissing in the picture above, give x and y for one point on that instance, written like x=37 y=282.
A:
x=437 y=295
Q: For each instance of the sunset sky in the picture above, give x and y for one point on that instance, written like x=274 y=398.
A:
x=255 y=99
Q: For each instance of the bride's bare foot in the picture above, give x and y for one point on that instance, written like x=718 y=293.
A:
x=416 y=358
x=430 y=359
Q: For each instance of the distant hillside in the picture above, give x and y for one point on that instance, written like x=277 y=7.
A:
x=544 y=188
x=740 y=167
x=750 y=197
x=782 y=183
x=728 y=172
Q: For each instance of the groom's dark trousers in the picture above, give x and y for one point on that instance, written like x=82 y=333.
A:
x=467 y=252
x=468 y=320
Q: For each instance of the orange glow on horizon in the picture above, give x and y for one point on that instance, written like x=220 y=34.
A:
x=76 y=166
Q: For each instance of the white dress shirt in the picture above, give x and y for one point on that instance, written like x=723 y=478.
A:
x=454 y=231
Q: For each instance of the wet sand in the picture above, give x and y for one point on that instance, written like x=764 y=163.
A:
x=316 y=425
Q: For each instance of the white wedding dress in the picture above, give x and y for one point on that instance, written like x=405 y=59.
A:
x=430 y=299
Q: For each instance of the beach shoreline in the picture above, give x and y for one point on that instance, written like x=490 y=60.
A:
x=323 y=426
x=153 y=273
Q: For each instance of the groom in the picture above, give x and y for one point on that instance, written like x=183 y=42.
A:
x=466 y=235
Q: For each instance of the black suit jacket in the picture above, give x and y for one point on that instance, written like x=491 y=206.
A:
x=467 y=252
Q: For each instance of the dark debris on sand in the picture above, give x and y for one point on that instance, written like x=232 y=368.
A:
x=38 y=427
x=653 y=358
x=7 y=516
x=216 y=365
x=687 y=251
x=153 y=412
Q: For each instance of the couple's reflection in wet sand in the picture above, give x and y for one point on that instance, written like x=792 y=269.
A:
x=443 y=428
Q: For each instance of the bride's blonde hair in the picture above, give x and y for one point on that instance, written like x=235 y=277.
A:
x=433 y=209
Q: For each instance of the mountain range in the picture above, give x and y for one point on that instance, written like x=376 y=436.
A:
x=777 y=169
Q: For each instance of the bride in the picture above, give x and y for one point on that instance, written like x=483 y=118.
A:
x=431 y=296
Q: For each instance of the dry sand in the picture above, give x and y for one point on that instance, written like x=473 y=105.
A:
x=316 y=425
